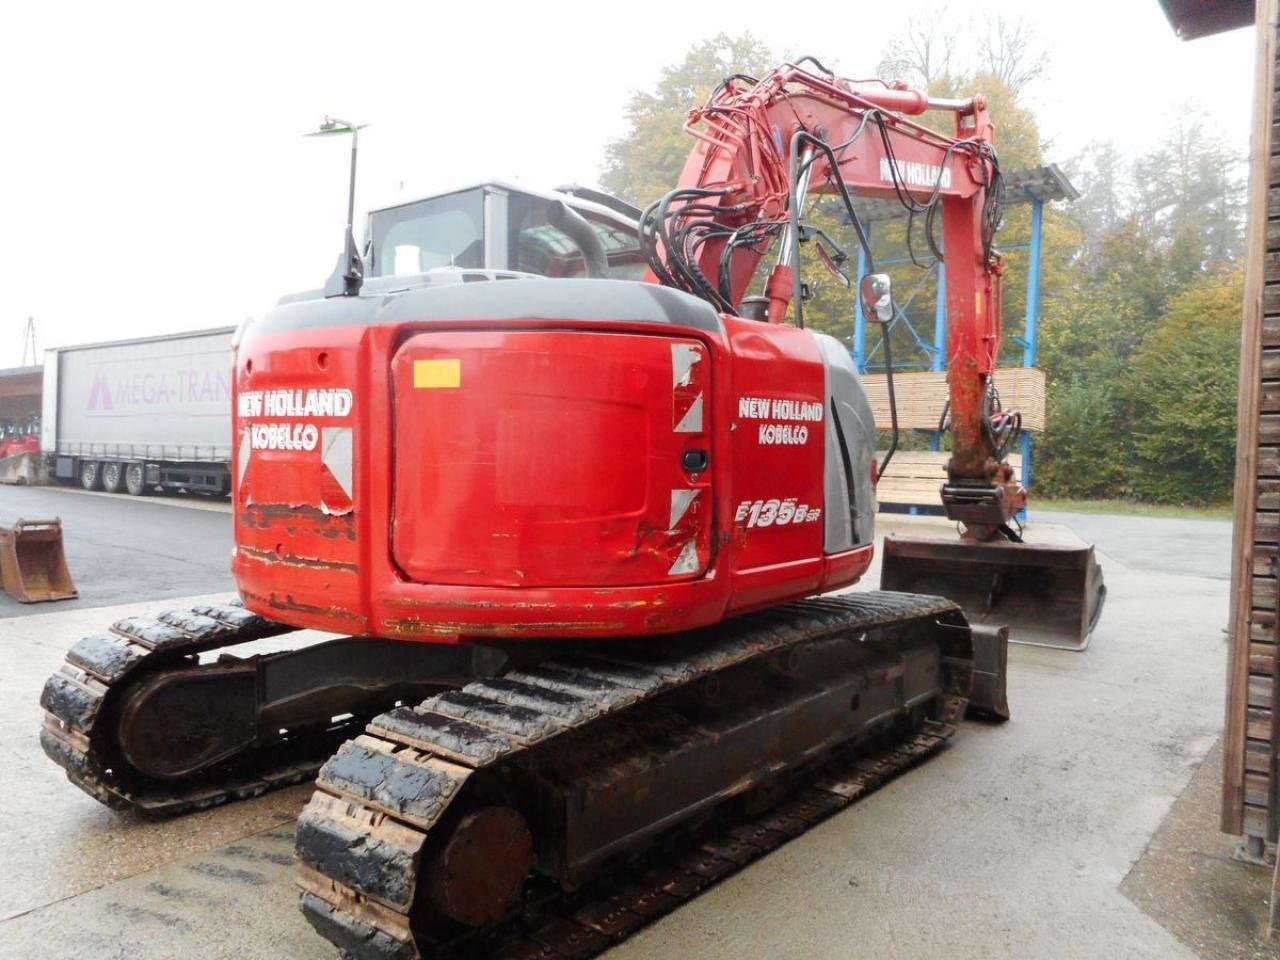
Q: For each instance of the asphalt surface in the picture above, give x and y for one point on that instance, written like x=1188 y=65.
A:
x=1014 y=842
x=1197 y=548
x=123 y=549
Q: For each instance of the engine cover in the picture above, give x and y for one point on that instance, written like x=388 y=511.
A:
x=541 y=458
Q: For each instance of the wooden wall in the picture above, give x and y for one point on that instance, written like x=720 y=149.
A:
x=1249 y=781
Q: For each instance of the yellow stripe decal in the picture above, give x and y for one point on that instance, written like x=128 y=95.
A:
x=437 y=373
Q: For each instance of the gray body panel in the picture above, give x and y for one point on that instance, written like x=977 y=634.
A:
x=847 y=524
x=442 y=296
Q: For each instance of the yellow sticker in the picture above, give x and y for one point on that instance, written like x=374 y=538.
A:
x=437 y=373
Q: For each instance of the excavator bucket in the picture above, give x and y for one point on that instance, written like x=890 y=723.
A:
x=1049 y=596
x=32 y=563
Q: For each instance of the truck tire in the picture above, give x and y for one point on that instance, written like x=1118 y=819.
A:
x=90 y=474
x=112 y=475
x=135 y=480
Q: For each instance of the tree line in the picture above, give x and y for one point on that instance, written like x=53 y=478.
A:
x=1140 y=277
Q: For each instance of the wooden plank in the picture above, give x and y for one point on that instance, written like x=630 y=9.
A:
x=1255 y=789
x=1269 y=397
x=1253 y=821
x=1268 y=497
x=1265 y=561
x=915 y=477
x=922 y=395
x=1262 y=657
x=1270 y=298
x=1268 y=462
x=1264 y=591
x=1257 y=298
x=1258 y=724
x=1268 y=426
x=1259 y=692
x=1266 y=529
x=1263 y=625
x=1270 y=360
x=1257 y=758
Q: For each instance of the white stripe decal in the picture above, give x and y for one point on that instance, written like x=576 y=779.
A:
x=335 y=445
x=246 y=450
x=687 y=562
x=683 y=357
x=691 y=422
x=680 y=503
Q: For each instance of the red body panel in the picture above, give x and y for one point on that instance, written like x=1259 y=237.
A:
x=547 y=458
x=537 y=487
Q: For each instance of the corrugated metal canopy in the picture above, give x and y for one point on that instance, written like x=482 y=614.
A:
x=1200 y=18
x=1046 y=183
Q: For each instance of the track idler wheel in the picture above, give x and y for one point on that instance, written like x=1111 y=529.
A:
x=480 y=869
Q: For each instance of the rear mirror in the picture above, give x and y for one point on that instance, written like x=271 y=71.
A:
x=876 y=294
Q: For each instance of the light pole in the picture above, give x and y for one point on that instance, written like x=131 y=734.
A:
x=348 y=275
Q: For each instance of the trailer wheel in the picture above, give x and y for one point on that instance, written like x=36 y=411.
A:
x=90 y=474
x=112 y=476
x=135 y=480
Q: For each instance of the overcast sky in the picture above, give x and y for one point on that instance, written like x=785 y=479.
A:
x=154 y=177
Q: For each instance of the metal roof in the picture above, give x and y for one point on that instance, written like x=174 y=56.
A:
x=577 y=202
x=1200 y=18
x=9 y=372
x=1046 y=183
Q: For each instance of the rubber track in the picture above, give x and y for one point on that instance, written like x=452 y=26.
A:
x=361 y=837
x=101 y=667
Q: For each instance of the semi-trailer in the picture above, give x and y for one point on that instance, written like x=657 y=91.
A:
x=139 y=415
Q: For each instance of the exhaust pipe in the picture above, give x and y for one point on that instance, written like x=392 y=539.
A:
x=1048 y=596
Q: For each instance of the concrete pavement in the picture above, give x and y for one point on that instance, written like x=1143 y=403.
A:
x=123 y=549
x=1012 y=843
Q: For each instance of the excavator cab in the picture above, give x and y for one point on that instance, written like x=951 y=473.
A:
x=497 y=226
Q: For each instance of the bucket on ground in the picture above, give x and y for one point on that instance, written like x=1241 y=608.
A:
x=32 y=562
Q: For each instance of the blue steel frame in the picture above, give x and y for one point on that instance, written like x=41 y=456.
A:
x=936 y=350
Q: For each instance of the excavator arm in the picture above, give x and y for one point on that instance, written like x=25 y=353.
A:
x=765 y=146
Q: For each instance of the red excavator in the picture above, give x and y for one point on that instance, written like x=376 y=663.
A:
x=563 y=484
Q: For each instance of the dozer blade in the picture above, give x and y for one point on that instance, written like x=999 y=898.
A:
x=32 y=563
x=1049 y=596
x=987 y=694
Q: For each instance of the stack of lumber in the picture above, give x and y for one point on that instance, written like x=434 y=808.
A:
x=915 y=477
x=922 y=395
